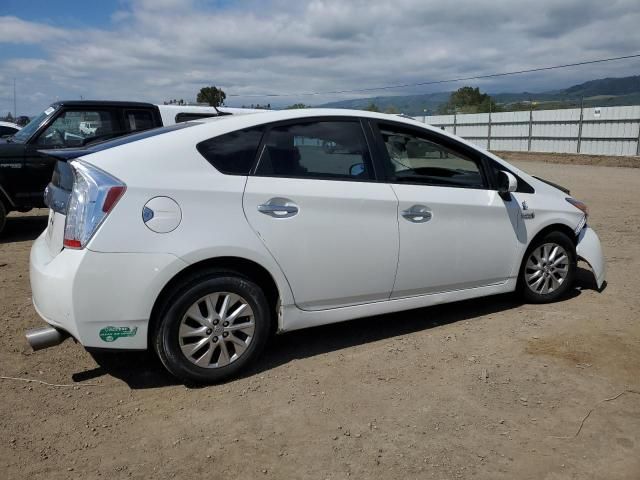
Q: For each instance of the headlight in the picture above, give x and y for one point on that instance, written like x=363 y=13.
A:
x=579 y=205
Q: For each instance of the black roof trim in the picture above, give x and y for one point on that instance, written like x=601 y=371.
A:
x=102 y=103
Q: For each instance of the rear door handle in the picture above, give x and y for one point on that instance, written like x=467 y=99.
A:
x=417 y=214
x=279 y=208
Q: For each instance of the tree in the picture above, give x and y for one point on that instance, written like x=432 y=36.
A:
x=468 y=100
x=297 y=105
x=9 y=117
x=391 y=109
x=372 y=107
x=211 y=95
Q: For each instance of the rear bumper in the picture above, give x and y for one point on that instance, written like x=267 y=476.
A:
x=589 y=249
x=103 y=300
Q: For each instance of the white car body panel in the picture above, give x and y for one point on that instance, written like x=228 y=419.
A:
x=336 y=260
x=297 y=319
x=447 y=253
x=590 y=250
x=324 y=266
x=82 y=291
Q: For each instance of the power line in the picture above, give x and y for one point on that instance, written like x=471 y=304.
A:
x=436 y=82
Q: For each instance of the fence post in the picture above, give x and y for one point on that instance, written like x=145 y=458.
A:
x=455 y=121
x=580 y=124
x=638 y=144
x=489 y=132
x=530 y=125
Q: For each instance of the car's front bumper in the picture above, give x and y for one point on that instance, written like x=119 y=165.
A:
x=590 y=250
x=103 y=300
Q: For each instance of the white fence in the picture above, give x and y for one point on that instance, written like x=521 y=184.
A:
x=596 y=131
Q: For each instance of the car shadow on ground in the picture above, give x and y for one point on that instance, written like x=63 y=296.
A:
x=143 y=370
x=23 y=228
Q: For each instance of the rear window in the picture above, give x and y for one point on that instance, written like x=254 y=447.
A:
x=233 y=153
x=188 y=116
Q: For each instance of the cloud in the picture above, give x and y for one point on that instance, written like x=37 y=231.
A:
x=15 y=30
x=156 y=50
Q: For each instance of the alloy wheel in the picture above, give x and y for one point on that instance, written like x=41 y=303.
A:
x=216 y=330
x=547 y=268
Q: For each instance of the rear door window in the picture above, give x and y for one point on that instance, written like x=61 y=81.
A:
x=325 y=149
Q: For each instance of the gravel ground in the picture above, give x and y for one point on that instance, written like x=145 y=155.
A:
x=488 y=388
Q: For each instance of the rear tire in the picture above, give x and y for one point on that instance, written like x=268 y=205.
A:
x=548 y=268
x=213 y=327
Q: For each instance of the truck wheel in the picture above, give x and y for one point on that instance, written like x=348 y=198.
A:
x=548 y=268
x=213 y=327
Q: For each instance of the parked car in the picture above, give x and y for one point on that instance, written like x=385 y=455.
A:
x=8 y=128
x=199 y=240
x=24 y=173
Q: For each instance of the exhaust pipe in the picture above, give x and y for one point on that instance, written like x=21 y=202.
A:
x=45 y=337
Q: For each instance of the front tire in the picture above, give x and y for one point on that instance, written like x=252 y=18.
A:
x=548 y=268
x=213 y=327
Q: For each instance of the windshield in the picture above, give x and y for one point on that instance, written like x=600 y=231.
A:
x=30 y=128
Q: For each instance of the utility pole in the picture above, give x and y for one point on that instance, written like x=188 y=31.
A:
x=15 y=112
x=489 y=132
x=580 y=124
x=530 y=124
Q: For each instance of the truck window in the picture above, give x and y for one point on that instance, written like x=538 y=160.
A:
x=139 y=120
x=75 y=127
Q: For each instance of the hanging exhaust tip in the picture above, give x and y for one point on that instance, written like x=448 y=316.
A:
x=45 y=337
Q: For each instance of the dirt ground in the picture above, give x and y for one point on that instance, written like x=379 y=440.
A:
x=488 y=388
x=572 y=159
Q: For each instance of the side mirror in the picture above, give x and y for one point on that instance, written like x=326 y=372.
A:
x=356 y=169
x=506 y=182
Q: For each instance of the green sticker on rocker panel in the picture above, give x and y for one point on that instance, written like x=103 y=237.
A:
x=111 y=334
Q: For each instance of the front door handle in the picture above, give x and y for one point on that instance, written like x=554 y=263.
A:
x=418 y=214
x=279 y=208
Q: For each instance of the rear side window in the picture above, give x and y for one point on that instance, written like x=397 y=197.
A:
x=232 y=153
x=139 y=120
x=326 y=150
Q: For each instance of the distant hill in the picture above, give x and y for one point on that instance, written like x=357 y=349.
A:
x=602 y=92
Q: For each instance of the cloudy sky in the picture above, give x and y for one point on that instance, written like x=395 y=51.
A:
x=154 y=50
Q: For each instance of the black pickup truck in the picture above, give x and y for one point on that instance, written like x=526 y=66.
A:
x=24 y=172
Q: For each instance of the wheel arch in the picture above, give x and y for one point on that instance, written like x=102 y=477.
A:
x=248 y=268
x=553 y=227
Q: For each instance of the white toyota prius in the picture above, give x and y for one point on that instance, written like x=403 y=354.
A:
x=201 y=239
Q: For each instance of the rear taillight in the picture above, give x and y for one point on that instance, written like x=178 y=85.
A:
x=93 y=196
